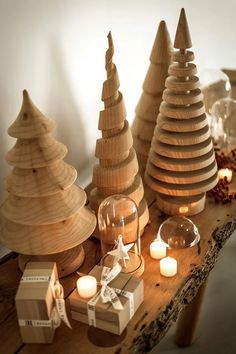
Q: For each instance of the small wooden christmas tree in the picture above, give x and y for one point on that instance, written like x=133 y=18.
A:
x=117 y=171
x=44 y=213
x=181 y=165
x=150 y=100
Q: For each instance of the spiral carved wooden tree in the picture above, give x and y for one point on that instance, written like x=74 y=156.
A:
x=181 y=165
x=154 y=84
x=117 y=171
x=44 y=212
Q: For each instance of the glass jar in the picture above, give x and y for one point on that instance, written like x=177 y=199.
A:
x=118 y=224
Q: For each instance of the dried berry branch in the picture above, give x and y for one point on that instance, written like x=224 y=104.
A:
x=220 y=193
x=226 y=161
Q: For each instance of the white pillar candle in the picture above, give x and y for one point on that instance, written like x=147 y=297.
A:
x=157 y=249
x=168 y=267
x=225 y=172
x=87 y=286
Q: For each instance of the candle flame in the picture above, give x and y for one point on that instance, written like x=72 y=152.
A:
x=183 y=209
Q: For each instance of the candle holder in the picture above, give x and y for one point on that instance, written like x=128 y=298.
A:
x=178 y=232
x=119 y=234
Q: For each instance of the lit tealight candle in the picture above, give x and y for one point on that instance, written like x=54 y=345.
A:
x=157 y=249
x=183 y=210
x=87 y=286
x=168 y=267
x=225 y=172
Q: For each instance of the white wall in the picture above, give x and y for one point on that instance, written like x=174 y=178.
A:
x=55 y=49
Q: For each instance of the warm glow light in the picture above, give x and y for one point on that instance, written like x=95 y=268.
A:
x=168 y=267
x=183 y=209
x=87 y=286
x=157 y=249
x=225 y=172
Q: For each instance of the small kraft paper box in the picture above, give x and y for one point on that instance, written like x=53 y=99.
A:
x=34 y=302
x=106 y=317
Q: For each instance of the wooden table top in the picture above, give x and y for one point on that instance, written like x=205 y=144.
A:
x=164 y=297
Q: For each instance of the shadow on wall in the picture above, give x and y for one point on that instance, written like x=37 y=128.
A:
x=64 y=109
x=6 y=143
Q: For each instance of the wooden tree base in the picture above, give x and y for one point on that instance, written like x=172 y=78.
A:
x=185 y=206
x=67 y=262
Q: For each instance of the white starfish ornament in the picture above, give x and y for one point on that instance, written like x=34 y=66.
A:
x=120 y=252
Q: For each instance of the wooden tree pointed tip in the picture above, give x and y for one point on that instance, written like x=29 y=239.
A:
x=162 y=24
x=182 y=37
x=110 y=40
x=162 y=46
x=25 y=94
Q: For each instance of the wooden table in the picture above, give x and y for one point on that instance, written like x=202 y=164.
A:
x=164 y=298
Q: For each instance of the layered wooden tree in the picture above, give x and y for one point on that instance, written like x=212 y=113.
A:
x=117 y=171
x=181 y=165
x=45 y=211
x=150 y=100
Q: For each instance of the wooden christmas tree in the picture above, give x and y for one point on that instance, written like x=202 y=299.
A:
x=117 y=171
x=150 y=100
x=44 y=212
x=181 y=165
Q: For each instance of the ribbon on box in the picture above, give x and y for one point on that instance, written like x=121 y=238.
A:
x=109 y=294
x=58 y=313
x=60 y=308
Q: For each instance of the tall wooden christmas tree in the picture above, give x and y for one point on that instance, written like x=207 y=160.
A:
x=150 y=100
x=117 y=171
x=181 y=165
x=44 y=212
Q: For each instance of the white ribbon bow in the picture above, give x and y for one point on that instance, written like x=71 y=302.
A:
x=107 y=293
x=58 y=313
x=59 y=310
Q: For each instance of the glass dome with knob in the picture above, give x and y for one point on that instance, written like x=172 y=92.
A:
x=118 y=224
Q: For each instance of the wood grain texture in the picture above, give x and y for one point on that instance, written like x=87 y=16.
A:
x=179 y=177
x=135 y=192
x=182 y=112
x=143 y=129
x=187 y=321
x=184 y=206
x=148 y=105
x=41 y=210
x=56 y=237
x=119 y=175
x=117 y=171
x=182 y=36
x=35 y=153
x=181 y=190
x=68 y=261
x=30 y=122
x=182 y=152
x=182 y=164
x=41 y=181
x=184 y=125
x=184 y=138
x=45 y=212
x=183 y=56
x=191 y=97
x=153 y=318
x=174 y=84
x=181 y=158
x=116 y=145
